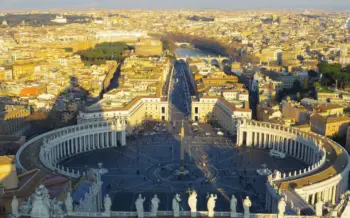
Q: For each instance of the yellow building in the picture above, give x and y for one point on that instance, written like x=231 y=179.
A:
x=328 y=96
x=8 y=173
x=13 y=118
x=140 y=95
x=329 y=126
x=23 y=69
x=6 y=74
x=134 y=112
x=219 y=109
x=149 y=47
x=293 y=110
x=329 y=109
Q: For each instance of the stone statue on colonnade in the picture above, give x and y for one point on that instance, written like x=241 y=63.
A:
x=233 y=206
x=211 y=205
x=176 y=205
x=107 y=204
x=139 y=206
x=281 y=207
x=155 y=204
x=246 y=205
x=192 y=203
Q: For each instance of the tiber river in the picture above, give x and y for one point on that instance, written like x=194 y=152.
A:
x=192 y=52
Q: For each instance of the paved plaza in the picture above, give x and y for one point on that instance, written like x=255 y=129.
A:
x=146 y=165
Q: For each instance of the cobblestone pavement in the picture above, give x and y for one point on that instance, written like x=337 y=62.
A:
x=146 y=166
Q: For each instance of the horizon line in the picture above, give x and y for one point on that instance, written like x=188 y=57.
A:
x=175 y=9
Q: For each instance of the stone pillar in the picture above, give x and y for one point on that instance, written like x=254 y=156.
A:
x=64 y=149
x=80 y=144
x=290 y=148
x=53 y=154
x=313 y=197
x=113 y=140
x=103 y=139
x=71 y=147
x=255 y=139
x=240 y=141
x=325 y=195
x=301 y=150
x=83 y=139
x=306 y=154
x=310 y=156
x=272 y=137
x=61 y=153
x=282 y=144
x=77 y=145
x=270 y=141
x=334 y=189
x=123 y=138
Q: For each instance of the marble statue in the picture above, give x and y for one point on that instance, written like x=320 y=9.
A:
x=192 y=203
x=155 y=204
x=40 y=207
x=176 y=205
x=319 y=207
x=246 y=205
x=233 y=206
x=55 y=207
x=107 y=204
x=69 y=203
x=14 y=205
x=211 y=205
x=139 y=206
x=281 y=207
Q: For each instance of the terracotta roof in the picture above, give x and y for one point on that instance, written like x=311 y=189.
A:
x=30 y=91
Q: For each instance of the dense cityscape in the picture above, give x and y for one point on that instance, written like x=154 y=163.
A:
x=174 y=113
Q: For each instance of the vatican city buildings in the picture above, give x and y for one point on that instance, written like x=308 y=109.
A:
x=174 y=113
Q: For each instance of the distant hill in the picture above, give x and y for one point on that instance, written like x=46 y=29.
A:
x=40 y=19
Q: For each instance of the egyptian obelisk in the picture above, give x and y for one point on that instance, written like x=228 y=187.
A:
x=182 y=149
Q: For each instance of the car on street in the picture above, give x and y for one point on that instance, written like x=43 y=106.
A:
x=278 y=154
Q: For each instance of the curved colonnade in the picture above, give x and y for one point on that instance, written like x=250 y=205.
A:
x=66 y=142
x=325 y=178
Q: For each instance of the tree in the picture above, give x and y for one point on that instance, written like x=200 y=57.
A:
x=330 y=72
x=312 y=73
x=297 y=86
x=347 y=68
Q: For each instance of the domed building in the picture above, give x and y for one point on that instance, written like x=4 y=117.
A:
x=4 y=23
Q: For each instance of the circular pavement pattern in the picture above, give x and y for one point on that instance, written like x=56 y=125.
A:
x=146 y=165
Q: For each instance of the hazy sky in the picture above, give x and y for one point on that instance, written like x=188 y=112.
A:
x=176 y=4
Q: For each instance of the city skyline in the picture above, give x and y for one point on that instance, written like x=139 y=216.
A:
x=181 y=4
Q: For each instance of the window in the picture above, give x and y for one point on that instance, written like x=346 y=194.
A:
x=163 y=110
x=196 y=110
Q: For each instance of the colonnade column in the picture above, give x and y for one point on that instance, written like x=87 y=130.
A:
x=123 y=138
x=334 y=189
x=113 y=138
x=255 y=139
